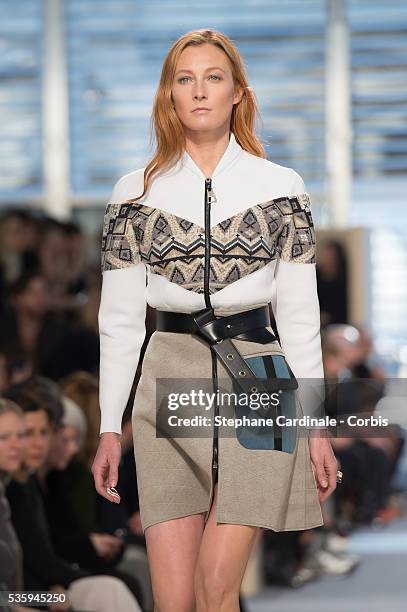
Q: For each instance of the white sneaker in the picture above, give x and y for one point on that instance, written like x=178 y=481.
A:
x=335 y=543
x=335 y=564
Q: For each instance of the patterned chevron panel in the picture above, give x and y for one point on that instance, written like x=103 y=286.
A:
x=175 y=247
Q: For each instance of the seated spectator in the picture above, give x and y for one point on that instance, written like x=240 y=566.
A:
x=43 y=567
x=12 y=437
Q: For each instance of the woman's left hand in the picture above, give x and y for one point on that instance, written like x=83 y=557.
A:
x=324 y=464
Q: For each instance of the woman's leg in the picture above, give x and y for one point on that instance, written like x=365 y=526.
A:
x=172 y=550
x=223 y=556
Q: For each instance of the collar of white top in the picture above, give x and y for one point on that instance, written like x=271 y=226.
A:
x=232 y=151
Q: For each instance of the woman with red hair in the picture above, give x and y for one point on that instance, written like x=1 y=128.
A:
x=203 y=234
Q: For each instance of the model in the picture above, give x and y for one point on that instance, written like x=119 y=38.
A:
x=208 y=227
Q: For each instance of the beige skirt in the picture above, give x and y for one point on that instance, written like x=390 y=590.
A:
x=271 y=489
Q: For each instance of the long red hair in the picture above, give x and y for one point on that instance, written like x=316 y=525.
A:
x=167 y=127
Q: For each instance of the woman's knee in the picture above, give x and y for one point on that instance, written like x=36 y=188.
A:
x=214 y=586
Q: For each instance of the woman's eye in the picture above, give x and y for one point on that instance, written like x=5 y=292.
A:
x=218 y=78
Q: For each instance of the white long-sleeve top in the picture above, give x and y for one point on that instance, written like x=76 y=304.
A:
x=262 y=251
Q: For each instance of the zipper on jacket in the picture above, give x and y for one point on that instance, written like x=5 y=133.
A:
x=208 y=201
x=209 y=198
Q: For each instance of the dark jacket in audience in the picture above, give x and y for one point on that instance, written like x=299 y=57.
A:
x=42 y=566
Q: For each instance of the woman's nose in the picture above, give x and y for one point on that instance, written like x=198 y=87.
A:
x=199 y=91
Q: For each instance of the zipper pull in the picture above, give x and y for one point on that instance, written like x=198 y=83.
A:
x=211 y=194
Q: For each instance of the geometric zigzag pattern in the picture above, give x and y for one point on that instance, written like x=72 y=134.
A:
x=175 y=247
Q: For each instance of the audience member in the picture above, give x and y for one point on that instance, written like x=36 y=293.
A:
x=43 y=568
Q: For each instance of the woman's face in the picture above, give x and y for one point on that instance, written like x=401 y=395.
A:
x=38 y=438
x=12 y=441
x=64 y=446
x=203 y=78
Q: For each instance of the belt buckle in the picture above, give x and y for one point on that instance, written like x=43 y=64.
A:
x=202 y=318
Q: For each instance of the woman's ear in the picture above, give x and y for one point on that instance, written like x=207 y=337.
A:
x=238 y=94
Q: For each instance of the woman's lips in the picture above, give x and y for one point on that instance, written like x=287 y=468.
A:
x=201 y=110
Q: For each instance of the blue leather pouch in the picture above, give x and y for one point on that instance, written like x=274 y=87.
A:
x=280 y=380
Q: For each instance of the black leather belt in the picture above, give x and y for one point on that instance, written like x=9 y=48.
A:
x=217 y=328
x=218 y=333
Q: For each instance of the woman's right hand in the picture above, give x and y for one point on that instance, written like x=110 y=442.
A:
x=105 y=468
